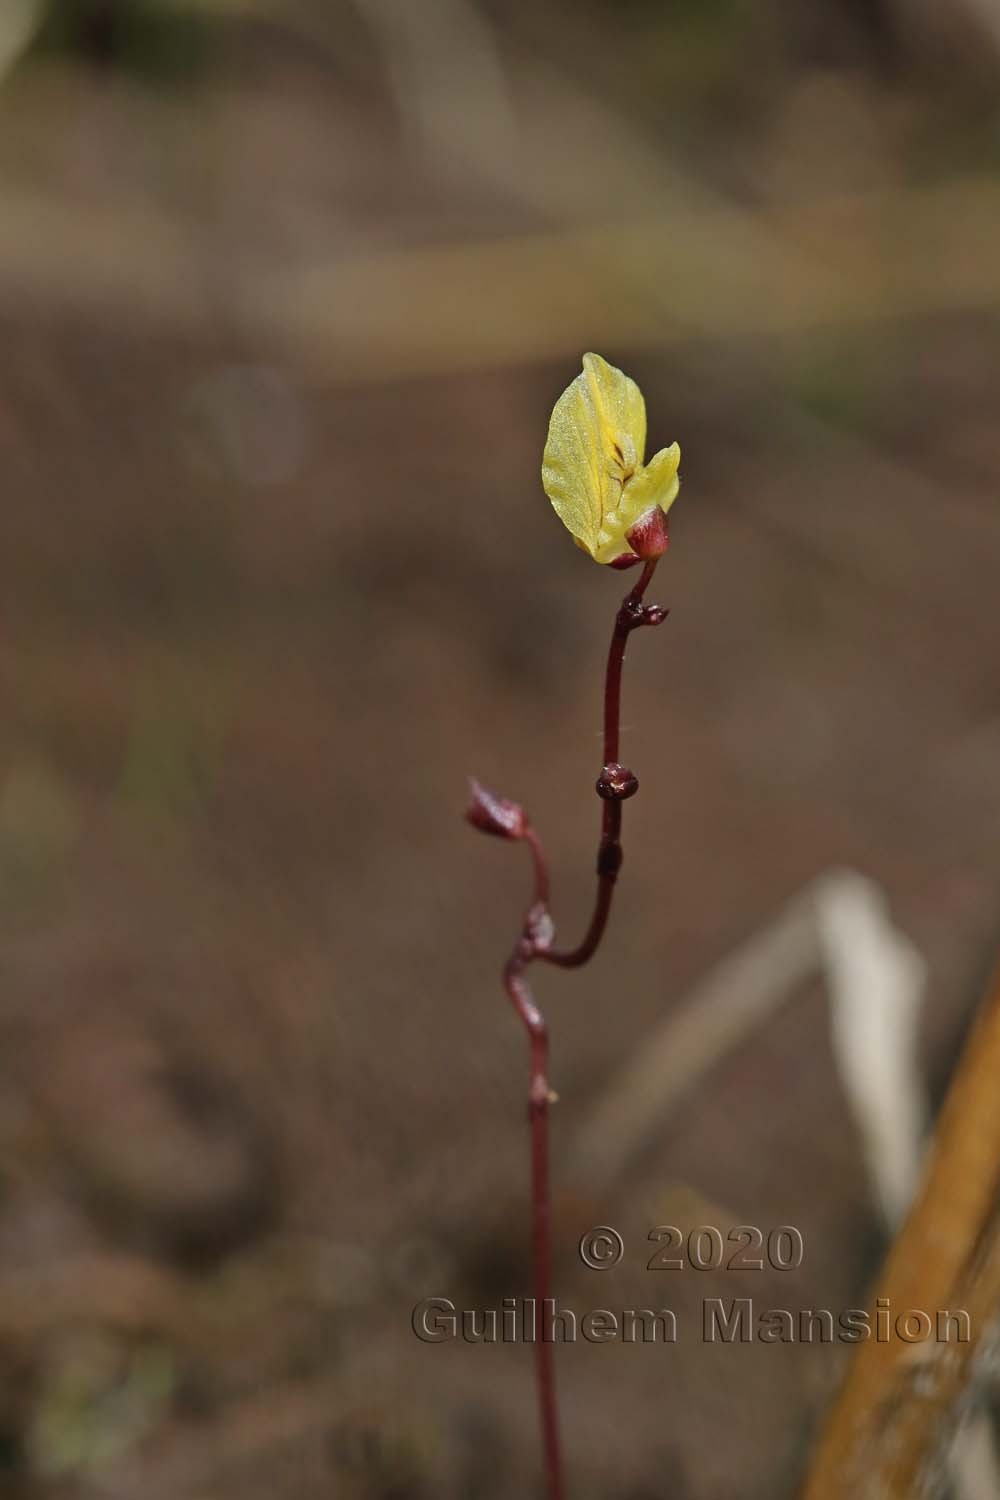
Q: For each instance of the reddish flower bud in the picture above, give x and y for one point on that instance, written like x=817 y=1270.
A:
x=492 y=814
x=649 y=535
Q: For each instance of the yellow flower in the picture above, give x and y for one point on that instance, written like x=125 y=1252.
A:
x=592 y=468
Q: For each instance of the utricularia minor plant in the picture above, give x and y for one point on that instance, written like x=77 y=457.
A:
x=615 y=507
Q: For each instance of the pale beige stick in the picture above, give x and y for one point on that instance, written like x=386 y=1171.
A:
x=838 y=925
x=731 y=1003
x=890 y=1423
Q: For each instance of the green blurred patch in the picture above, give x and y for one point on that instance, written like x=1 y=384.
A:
x=692 y=57
x=175 y=744
x=846 y=381
x=158 y=39
x=97 y=1402
x=39 y=823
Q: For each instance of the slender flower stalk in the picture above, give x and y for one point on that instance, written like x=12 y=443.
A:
x=614 y=785
x=594 y=475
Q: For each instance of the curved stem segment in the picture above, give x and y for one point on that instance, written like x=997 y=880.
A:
x=506 y=819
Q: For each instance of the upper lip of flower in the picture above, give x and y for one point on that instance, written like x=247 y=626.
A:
x=592 y=469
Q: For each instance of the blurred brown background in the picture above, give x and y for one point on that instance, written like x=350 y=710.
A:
x=287 y=291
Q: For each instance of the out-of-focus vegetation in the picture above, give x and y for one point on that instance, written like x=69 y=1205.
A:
x=287 y=291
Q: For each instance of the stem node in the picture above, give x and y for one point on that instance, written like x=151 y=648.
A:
x=616 y=783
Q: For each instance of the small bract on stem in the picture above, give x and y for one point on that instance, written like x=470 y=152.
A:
x=598 y=429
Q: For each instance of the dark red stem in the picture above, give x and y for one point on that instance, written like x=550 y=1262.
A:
x=609 y=851
x=614 y=785
x=538 y=1113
